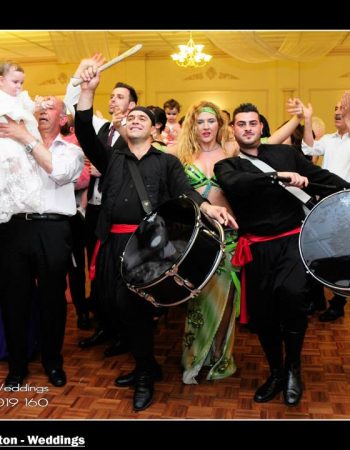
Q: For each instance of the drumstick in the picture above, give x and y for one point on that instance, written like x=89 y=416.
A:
x=113 y=61
x=317 y=185
x=324 y=186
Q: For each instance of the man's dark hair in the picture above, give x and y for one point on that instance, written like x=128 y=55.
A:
x=266 y=128
x=245 y=108
x=68 y=127
x=160 y=116
x=132 y=93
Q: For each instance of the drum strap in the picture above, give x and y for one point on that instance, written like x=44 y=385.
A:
x=140 y=187
x=261 y=165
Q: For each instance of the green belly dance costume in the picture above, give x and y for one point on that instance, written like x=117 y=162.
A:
x=206 y=311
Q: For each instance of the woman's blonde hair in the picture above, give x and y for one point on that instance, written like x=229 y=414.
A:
x=188 y=146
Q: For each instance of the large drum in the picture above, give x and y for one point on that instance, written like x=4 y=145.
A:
x=324 y=242
x=173 y=253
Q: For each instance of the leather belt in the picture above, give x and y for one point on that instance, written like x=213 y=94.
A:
x=36 y=216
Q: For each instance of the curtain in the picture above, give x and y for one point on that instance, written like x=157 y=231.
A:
x=265 y=46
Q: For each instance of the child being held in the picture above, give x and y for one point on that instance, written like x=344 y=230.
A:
x=20 y=182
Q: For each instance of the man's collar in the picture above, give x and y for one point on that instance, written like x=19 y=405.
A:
x=126 y=150
x=249 y=154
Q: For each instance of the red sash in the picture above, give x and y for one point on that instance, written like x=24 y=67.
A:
x=118 y=228
x=243 y=256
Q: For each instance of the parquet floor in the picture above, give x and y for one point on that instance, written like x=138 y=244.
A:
x=90 y=392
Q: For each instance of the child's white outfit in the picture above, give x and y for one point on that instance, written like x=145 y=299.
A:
x=20 y=182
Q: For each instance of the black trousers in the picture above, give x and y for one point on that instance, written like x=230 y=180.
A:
x=124 y=311
x=91 y=218
x=278 y=289
x=76 y=273
x=39 y=251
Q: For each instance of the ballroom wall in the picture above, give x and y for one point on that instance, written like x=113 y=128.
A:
x=225 y=81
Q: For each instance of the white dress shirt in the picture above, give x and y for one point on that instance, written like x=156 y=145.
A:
x=58 y=186
x=336 y=153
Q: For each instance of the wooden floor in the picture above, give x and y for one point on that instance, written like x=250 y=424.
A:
x=90 y=391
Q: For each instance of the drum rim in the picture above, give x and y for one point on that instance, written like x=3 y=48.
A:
x=199 y=289
x=209 y=275
x=198 y=225
x=177 y=263
x=324 y=283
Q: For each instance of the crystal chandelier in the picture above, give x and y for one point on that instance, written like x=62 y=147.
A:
x=191 y=55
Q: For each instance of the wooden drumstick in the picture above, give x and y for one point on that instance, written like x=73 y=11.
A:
x=113 y=61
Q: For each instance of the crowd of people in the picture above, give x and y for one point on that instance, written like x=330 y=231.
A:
x=71 y=181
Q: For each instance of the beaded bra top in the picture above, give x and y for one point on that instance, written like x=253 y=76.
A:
x=198 y=179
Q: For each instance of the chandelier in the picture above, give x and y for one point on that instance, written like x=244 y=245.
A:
x=191 y=55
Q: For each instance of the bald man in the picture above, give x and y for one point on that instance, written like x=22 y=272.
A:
x=36 y=248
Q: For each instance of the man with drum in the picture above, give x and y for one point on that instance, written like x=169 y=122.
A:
x=273 y=273
x=121 y=213
x=335 y=149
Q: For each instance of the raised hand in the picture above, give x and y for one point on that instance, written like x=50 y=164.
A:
x=95 y=61
x=42 y=103
x=91 y=79
x=308 y=111
x=117 y=117
x=295 y=107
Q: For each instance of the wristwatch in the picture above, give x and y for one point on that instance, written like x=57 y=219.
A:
x=30 y=147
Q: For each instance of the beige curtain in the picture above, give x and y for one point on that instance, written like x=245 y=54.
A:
x=72 y=46
x=265 y=46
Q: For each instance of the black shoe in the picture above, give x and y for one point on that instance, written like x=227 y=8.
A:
x=331 y=314
x=57 y=377
x=144 y=388
x=293 y=388
x=130 y=378
x=117 y=348
x=313 y=307
x=272 y=386
x=98 y=338
x=126 y=380
x=13 y=380
x=84 y=322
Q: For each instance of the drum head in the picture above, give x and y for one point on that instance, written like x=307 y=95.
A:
x=160 y=241
x=325 y=241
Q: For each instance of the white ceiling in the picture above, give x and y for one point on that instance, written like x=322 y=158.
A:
x=71 y=46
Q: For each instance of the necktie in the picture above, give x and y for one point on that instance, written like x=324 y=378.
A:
x=110 y=136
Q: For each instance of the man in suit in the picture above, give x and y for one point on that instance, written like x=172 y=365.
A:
x=123 y=98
